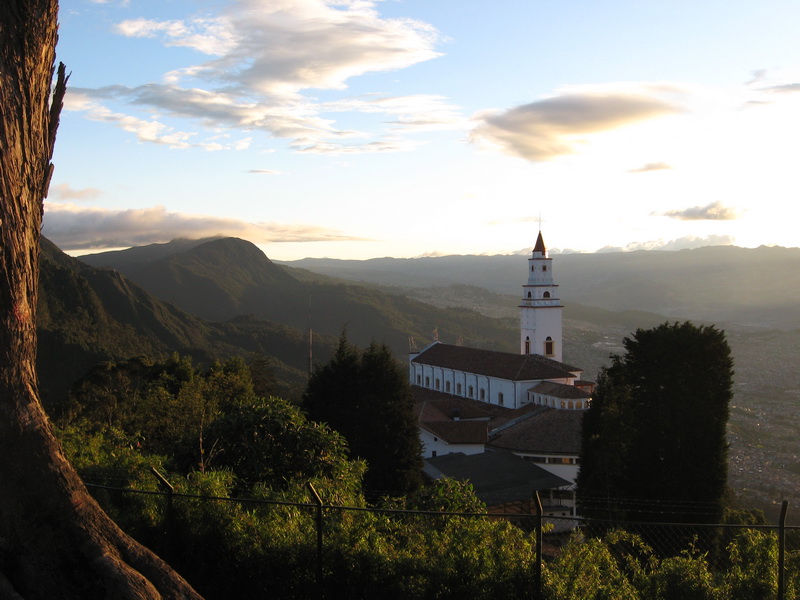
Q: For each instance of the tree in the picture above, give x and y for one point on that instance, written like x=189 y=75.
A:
x=656 y=430
x=365 y=396
x=55 y=541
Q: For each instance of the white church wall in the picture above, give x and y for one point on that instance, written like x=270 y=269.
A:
x=435 y=446
x=565 y=467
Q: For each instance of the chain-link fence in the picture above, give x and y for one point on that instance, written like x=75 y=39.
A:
x=266 y=548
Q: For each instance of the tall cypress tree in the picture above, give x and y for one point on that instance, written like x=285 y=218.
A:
x=366 y=397
x=657 y=427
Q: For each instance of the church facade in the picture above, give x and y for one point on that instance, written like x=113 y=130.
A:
x=530 y=404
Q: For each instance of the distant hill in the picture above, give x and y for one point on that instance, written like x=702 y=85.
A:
x=728 y=285
x=88 y=315
x=221 y=278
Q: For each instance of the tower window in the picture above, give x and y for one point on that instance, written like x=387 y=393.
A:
x=549 y=346
x=546 y=295
x=527 y=345
x=529 y=294
x=533 y=268
x=544 y=267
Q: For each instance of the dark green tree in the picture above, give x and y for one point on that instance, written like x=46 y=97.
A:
x=366 y=397
x=656 y=430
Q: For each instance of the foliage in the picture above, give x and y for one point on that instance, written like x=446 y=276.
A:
x=656 y=430
x=266 y=450
x=271 y=442
x=366 y=397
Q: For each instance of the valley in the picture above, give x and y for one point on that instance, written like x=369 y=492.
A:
x=473 y=300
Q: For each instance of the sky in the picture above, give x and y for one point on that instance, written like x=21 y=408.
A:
x=356 y=129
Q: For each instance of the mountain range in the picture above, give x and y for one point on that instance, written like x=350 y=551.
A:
x=728 y=285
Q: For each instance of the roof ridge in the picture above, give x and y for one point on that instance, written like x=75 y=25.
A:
x=532 y=413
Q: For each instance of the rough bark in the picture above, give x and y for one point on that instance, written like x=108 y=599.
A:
x=55 y=541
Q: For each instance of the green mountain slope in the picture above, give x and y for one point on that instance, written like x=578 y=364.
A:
x=87 y=315
x=223 y=278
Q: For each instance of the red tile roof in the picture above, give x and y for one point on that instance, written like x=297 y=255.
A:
x=559 y=390
x=539 y=247
x=551 y=431
x=458 y=432
x=503 y=365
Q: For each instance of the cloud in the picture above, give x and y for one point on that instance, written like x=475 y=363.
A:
x=263 y=172
x=684 y=243
x=259 y=59
x=715 y=211
x=74 y=227
x=654 y=166
x=63 y=191
x=786 y=88
x=146 y=130
x=556 y=126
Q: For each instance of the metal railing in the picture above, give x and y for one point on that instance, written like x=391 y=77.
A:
x=674 y=537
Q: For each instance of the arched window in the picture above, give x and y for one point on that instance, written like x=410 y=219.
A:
x=527 y=345
x=549 y=346
x=529 y=294
x=533 y=268
x=570 y=405
x=546 y=295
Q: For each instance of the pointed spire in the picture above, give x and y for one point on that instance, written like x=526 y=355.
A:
x=539 y=247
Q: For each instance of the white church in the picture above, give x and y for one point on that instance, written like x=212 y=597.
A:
x=471 y=403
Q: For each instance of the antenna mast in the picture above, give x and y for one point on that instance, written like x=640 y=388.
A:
x=310 y=340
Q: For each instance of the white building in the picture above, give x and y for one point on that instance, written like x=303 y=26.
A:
x=471 y=401
x=540 y=310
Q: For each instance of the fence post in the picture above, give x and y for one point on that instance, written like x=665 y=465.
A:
x=318 y=501
x=169 y=513
x=539 y=528
x=782 y=551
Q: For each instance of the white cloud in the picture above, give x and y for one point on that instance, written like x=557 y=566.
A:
x=652 y=166
x=688 y=242
x=148 y=130
x=552 y=127
x=64 y=191
x=716 y=211
x=209 y=36
x=74 y=227
x=264 y=56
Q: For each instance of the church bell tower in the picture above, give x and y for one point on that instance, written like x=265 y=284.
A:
x=540 y=310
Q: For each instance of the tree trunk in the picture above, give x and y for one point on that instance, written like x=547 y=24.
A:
x=55 y=541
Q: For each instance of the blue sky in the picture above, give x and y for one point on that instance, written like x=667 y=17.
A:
x=358 y=129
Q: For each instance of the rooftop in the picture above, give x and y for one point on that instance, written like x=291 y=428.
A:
x=496 y=477
x=503 y=365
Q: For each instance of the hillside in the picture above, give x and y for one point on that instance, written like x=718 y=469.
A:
x=88 y=315
x=755 y=287
x=220 y=279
